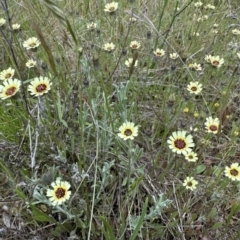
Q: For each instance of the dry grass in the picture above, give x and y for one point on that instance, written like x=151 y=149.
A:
x=120 y=189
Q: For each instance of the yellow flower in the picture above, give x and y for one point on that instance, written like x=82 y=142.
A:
x=159 y=52
x=216 y=61
x=196 y=114
x=233 y=172
x=180 y=143
x=10 y=88
x=216 y=104
x=194 y=87
x=236 y=133
x=128 y=62
x=212 y=125
x=7 y=74
x=111 y=7
x=31 y=43
x=128 y=131
x=31 y=63
x=186 y=110
x=191 y=156
x=39 y=86
x=109 y=47
x=60 y=192
x=190 y=183
x=135 y=45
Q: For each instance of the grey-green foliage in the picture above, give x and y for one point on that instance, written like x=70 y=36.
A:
x=159 y=205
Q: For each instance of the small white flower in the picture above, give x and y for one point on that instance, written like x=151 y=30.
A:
x=2 y=21
x=128 y=62
x=16 y=26
x=174 y=55
x=31 y=63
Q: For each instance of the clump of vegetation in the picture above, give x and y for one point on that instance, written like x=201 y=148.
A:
x=119 y=120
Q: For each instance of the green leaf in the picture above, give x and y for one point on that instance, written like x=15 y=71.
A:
x=108 y=233
x=140 y=221
x=21 y=194
x=235 y=208
x=201 y=168
x=38 y=215
x=217 y=225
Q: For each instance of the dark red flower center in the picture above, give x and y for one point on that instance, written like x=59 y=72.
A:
x=111 y=9
x=8 y=75
x=189 y=184
x=32 y=45
x=10 y=91
x=128 y=132
x=213 y=128
x=215 y=63
x=180 y=143
x=194 y=89
x=60 y=193
x=234 y=172
x=41 y=88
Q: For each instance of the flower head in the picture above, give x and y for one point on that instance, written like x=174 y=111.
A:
x=16 y=27
x=212 y=125
x=194 y=87
x=10 y=88
x=60 y=192
x=135 y=45
x=180 y=143
x=7 y=74
x=91 y=26
x=209 y=6
x=159 y=52
x=2 y=21
x=31 y=63
x=191 y=156
x=128 y=62
x=196 y=34
x=174 y=55
x=132 y=19
x=128 y=131
x=109 y=47
x=198 y=4
x=195 y=66
x=31 y=43
x=111 y=7
x=39 y=86
x=208 y=58
x=233 y=172
x=190 y=183
x=235 y=32
x=216 y=61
